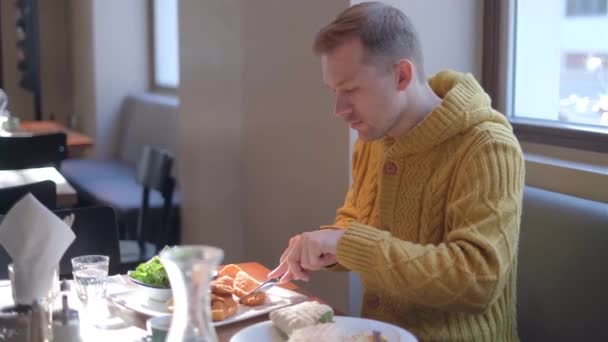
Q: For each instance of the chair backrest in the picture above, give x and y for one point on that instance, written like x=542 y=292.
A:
x=561 y=282
x=154 y=169
x=154 y=173
x=32 y=151
x=45 y=192
x=96 y=233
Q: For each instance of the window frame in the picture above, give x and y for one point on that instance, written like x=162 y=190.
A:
x=153 y=86
x=1 y=59
x=575 y=14
x=498 y=51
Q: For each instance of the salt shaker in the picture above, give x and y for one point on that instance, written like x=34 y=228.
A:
x=66 y=324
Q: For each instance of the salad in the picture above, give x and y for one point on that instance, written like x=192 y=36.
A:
x=151 y=272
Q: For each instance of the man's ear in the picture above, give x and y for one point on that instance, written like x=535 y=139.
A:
x=405 y=73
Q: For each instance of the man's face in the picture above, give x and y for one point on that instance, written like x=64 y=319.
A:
x=366 y=95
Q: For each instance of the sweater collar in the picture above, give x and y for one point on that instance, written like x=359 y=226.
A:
x=464 y=104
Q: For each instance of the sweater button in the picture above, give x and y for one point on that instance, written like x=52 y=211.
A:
x=373 y=301
x=390 y=168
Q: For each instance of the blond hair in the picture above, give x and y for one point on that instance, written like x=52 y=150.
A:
x=386 y=33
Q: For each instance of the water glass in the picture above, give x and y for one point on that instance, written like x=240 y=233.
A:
x=90 y=273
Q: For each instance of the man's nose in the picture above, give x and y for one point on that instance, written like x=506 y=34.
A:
x=342 y=107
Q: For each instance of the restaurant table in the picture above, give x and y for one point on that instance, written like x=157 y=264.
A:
x=66 y=194
x=130 y=325
x=77 y=142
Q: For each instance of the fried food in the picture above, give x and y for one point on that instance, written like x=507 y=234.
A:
x=229 y=270
x=232 y=280
x=222 y=286
x=226 y=280
x=256 y=299
x=220 y=298
x=243 y=284
x=223 y=307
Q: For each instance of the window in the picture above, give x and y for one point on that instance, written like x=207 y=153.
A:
x=552 y=67
x=165 y=43
x=586 y=7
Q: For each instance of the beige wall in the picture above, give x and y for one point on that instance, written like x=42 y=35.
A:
x=255 y=127
x=55 y=60
x=450 y=31
x=120 y=37
x=295 y=157
x=210 y=123
x=110 y=50
x=83 y=73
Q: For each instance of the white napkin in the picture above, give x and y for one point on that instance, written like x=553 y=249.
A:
x=36 y=239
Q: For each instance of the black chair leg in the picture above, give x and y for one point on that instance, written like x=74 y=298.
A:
x=141 y=222
x=162 y=234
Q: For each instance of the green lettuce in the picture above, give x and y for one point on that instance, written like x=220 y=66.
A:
x=327 y=317
x=151 y=272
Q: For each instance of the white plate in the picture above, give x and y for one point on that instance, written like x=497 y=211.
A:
x=278 y=297
x=266 y=332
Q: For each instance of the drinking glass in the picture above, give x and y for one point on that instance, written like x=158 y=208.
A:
x=90 y=273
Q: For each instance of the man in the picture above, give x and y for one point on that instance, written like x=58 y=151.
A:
x=431 y=220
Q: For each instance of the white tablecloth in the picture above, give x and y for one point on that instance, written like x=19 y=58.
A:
x=114 y=329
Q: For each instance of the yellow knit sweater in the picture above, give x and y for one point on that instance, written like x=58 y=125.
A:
x=432 y=220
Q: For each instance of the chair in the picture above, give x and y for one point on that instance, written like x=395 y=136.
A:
x=45 y=192
x=144 y=119
x=153 y=174
x=96 y=233
x=5 y=259
x=33 y=151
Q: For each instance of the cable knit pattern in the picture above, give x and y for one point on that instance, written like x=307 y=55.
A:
x=432 y=220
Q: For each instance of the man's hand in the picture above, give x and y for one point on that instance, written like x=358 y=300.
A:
x=307 y=252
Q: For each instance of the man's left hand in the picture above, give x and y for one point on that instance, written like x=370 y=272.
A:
x=307 y=252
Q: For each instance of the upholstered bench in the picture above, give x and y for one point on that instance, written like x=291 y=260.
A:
x=145 y=119
x=563 y=271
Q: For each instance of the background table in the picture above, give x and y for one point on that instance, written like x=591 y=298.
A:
x=77 y=142
x=66 y=194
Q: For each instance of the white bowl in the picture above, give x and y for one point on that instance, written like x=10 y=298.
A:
x=156 y=293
